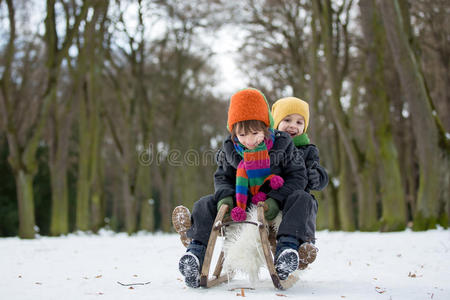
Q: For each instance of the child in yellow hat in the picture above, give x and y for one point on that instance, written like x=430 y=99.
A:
x=291 y=115
x=256 y=163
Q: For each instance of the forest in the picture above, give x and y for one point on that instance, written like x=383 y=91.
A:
x=110 y=115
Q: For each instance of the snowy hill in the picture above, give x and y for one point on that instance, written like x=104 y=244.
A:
x=405 y=265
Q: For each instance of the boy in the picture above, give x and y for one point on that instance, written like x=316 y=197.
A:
x=255 y=164
x=291 y=115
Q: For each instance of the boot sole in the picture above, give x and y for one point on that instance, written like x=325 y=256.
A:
x=189 y=267
x=181 y=220
x=287 y=263
x=307 y=254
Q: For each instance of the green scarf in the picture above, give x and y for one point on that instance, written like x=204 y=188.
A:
x=301 y=140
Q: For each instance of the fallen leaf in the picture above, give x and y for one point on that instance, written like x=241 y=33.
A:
x=135 y=276
x=39 y=283
x=375 y=278
x=342 y=296
x=131 y=288
x=98 y=276
x=379 y=290
x=179 y=279
x=412 y=275
x=349 y=263
x=99 y=293
x=281 y=295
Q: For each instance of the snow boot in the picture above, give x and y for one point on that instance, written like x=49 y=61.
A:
x=189 y=267
x=286 y=262
x=286 y=256
x=181 y=220
x=307 y=253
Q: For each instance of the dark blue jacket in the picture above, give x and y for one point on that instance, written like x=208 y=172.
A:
x=285 y=161
x=310 y=155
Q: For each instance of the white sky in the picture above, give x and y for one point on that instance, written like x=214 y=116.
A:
x=226 y=46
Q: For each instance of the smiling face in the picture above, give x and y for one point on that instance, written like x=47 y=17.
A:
x=250 y=139
x=293 y=124
x=250 y=133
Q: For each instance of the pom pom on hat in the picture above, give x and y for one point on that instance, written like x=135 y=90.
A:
x=288 y=106
x=238 y=214
x=260 y=196
x=276 y=182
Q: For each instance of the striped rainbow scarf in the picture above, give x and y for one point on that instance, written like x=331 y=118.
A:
x=252 y=172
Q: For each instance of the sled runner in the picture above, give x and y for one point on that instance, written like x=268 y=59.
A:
x=268 y=247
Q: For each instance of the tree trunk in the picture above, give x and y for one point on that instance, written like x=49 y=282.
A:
x=129 y=204
x=391 y=189
x=60 y=200
x=83 y=183
x=393 y=197
x=164 y=178
x=345 y=195
x=24 y=187
x=97 y=198
x=166 y=209
x=60 y=124
x=147 y=219
x=144 y=197
x=367 y=206
x=430 y=157
x=96 y=189
x=324 y=13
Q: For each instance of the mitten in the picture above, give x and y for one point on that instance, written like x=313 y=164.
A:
x=271 y=209
x=313 y=179
x=228 y=201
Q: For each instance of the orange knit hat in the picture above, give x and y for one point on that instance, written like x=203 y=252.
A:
x=248 y=104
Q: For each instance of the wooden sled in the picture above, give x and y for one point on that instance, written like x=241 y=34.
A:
x=206 y=281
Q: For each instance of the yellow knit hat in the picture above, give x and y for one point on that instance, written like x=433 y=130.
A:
x=288 y=106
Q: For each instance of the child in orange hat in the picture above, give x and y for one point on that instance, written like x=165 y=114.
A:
x=256 y=163
x=291 y=115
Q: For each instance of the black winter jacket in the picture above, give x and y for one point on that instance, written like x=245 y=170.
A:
x=310 y=155
x=285 y=161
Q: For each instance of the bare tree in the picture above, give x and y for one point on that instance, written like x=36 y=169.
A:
x=88 y=76
x=384 y=157
x=433 y=148
x=23 y=148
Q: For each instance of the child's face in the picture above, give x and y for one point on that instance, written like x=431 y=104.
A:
x=250 y=139
x=293 y=124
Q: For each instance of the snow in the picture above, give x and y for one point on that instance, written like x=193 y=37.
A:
x=402 y=265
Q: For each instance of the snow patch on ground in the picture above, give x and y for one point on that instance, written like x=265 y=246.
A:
x=403 y=265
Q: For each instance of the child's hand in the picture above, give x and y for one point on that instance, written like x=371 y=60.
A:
x=228 y=201
x=313 y=178
x=271 y=209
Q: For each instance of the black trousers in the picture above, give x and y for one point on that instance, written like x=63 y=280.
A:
x=299 y=217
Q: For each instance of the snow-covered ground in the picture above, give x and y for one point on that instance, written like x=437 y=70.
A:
x=405 y=265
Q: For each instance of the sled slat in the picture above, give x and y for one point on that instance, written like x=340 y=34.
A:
x=219 y=265
x=211 y=245
x=218 y=280
x=266 y=248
